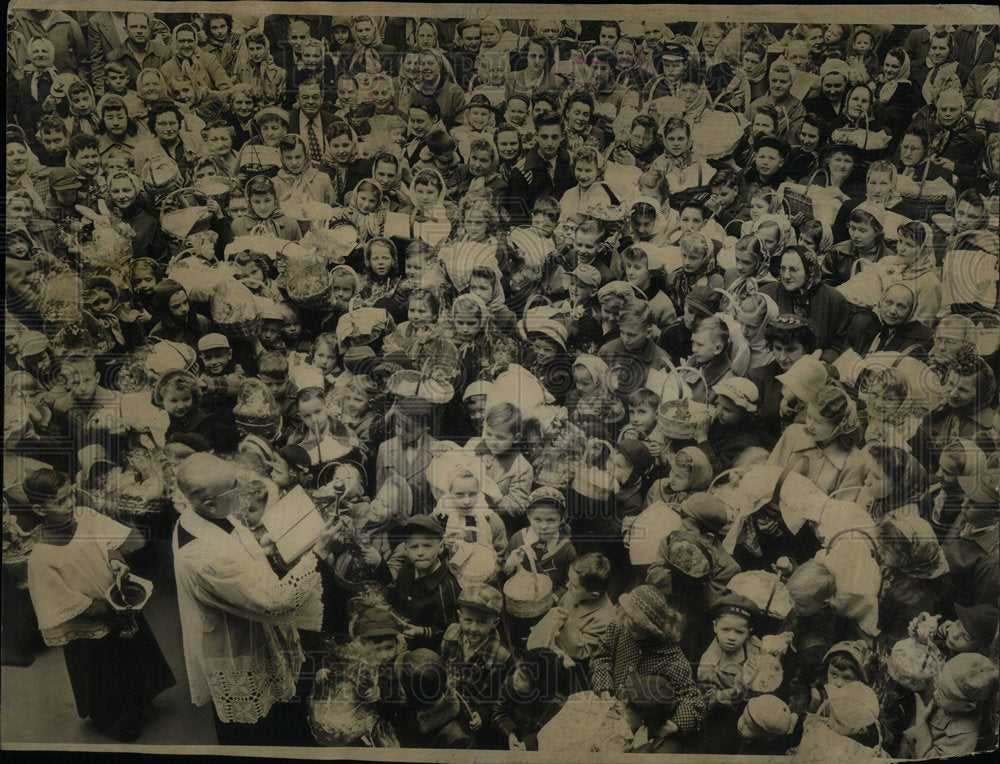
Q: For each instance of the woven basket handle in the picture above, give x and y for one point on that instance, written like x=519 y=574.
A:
x=529 y=555
x=813 y=176
x=776 y=496
x=905 y=352
x=719 y=477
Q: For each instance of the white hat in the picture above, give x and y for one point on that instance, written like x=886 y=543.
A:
x=741 y=391
x=805 y=378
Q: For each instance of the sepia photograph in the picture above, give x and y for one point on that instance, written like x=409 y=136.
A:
x=468 y=382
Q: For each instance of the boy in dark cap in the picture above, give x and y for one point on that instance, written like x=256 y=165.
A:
x=720 y=671
x=425 y=591
x=702 y=301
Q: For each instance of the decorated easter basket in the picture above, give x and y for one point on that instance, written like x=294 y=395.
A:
x=307 y=282
x=718 y=132
x=679 y=419
x=235 y=311
x=528 y=593
x=913 y=663
x=762 y=673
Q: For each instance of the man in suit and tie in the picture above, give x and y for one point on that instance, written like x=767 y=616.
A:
x=544 y=171
x=309 y=120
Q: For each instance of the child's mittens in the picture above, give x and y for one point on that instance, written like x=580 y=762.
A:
x=322 y=677
x=475 y=721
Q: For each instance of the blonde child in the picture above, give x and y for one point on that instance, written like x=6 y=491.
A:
x=465 y=514
x=499 y=450
x=699 y=267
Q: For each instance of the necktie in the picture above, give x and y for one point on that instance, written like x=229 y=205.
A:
x=314 y=152
x=34 y=84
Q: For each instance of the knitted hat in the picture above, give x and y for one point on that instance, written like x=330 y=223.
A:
x=637 y=454
x=706 y=510
x=968 y=676
x=376 y=622
x=740 y=391
x=479 y=387
x=979 y=622
x=295 y=455
x=704 y=300
x=548 y=328
x=805 y=378
x=646 y=606
x=854 y=705
x=771 y=715
x=833 y=66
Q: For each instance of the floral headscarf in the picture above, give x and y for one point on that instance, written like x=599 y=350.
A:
x=758 y=305
x=924 y=557
x=814 y=277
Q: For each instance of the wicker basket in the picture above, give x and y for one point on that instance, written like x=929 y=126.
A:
x=242 y=330
x=528 y=593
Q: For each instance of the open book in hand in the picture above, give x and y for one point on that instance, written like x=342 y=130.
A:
x=294 y=524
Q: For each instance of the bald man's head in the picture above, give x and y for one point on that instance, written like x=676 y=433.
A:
x=209 y=483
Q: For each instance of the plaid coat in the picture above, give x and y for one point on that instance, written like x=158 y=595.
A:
x=618 y=656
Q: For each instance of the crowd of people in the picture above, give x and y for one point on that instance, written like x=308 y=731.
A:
x=640 y=367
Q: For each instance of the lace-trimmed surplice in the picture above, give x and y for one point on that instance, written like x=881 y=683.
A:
x=239 y=619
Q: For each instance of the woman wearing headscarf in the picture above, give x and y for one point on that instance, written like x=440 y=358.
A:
x=125 y=197
x=855 y=125
x=536 y=75
x=369 y=55
x=921 y=182
x=754 y=312
x=955 y=142
x=265 y=78
x=967 y=410
x=961 y=458
x=297 y=178
x=750 y=80
x=801 y=291
x=487 y=282
x=824 y=447
x=342 y=162
x=913 y=567
x=890 y=325
x=896 y=98
x=829 y=103
x=175 y=320
x=437 y=81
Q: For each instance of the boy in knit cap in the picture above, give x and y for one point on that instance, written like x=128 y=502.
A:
x=643 y=639
x=949 y=724
x=766 y=726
